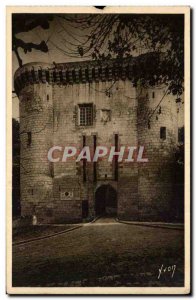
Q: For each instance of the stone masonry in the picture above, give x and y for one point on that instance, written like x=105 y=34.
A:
x=122 y=114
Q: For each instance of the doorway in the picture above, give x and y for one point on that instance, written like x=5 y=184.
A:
x=106 y=201
x=84 y=209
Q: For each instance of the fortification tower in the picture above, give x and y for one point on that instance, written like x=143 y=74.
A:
x=36 y=135
x=157 y=130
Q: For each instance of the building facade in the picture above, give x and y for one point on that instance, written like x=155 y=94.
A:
x=93 y=104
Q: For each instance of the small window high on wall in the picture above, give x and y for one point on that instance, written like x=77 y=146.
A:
x=163 y=133
x=181 y=135
x=29 y=138
x=86 y=114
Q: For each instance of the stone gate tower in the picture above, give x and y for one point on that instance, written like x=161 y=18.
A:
x=91 y=104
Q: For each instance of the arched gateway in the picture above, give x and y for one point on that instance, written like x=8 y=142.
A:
x=106 y=201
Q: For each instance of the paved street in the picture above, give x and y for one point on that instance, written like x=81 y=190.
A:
x=104 y=253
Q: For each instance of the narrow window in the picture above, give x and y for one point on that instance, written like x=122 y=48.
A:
x=29 y=138
x=116 y=158
x=84 y=160
x=181 y=135
x=163 y=133
x=48 y=97
x=95 y=163
x=86 y=114
x=153 y=94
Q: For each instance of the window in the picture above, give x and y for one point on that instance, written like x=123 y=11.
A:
x=163 y=133
x=29 y=138
x=153 y=94
x=181 y=135
x=86 y=114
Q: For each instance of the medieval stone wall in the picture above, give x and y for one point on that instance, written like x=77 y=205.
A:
x=49 y=114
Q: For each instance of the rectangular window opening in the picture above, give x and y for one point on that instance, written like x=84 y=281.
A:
x=163 y=133
x=181 y=135
x=153 y=94
x=86 y=114
x=29 y=138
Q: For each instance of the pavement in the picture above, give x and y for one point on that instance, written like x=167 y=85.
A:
x=32 y=233
x=103 y=253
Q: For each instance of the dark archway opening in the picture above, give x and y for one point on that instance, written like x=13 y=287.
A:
x=106 y=201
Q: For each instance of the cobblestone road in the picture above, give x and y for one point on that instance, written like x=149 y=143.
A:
x=104 y=253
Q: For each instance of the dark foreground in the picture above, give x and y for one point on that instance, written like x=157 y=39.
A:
x=105 y=253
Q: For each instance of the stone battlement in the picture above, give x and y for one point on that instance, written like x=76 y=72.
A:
x=79 y=72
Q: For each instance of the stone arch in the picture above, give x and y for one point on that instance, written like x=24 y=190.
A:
x=106 y=200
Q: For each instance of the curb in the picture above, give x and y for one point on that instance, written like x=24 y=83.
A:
x=94 y=220
x=166 y=225
x=46 y=236
x=91 y=222
x=54 y=234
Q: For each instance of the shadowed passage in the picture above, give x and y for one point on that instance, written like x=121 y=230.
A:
x=106 y=201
